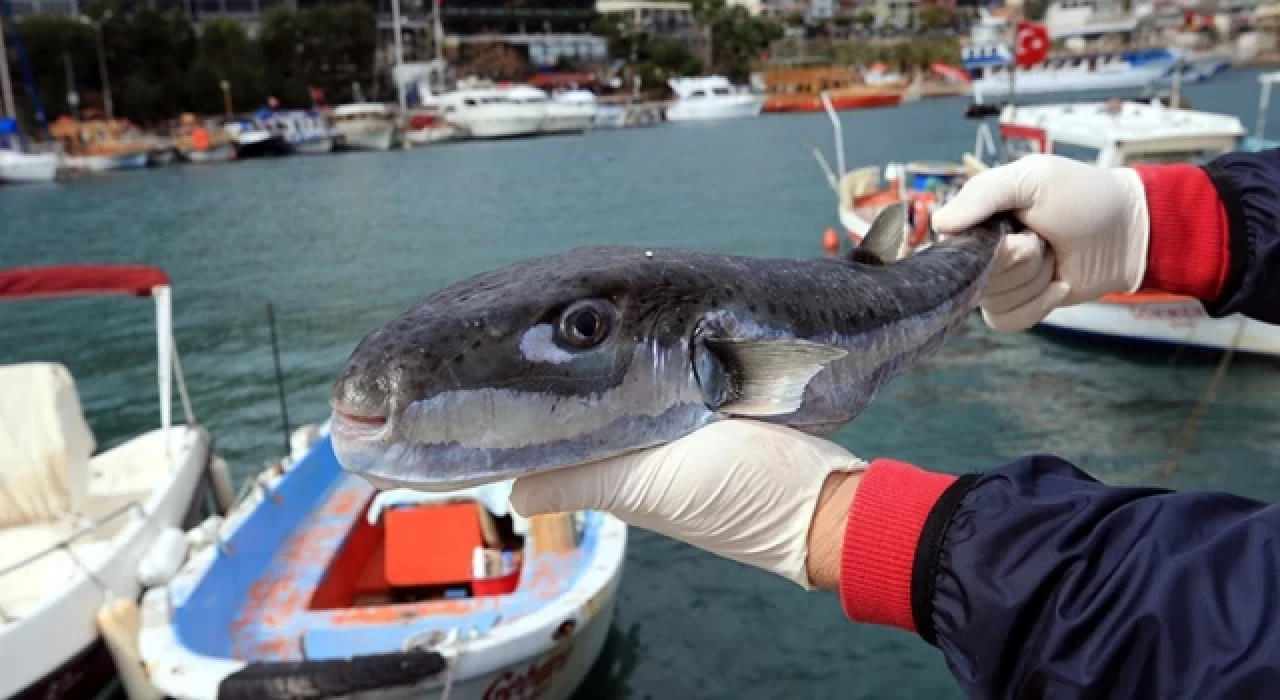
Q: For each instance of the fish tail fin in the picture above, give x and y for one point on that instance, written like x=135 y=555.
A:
x=886 y=240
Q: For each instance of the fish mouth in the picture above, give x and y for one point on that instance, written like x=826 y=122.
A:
x=348 y=424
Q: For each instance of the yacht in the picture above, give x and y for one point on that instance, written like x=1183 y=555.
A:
x=711 y=97
x=567 y=112
x=486 y=112
x=18 y=162
x=365 y=126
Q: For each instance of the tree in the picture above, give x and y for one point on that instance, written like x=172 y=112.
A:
x=497 y=61
x=935 y=16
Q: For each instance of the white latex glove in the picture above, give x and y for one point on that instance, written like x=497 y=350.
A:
x=742 y=489
x=1090 y=232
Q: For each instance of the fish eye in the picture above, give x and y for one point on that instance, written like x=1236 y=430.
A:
x=585 y=324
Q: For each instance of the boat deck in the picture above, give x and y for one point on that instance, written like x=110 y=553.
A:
x=288 y=612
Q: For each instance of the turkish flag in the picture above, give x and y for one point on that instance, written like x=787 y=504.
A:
x=1031 y=45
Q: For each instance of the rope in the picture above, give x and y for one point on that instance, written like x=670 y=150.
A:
x=1192 y=425
x=182 y=383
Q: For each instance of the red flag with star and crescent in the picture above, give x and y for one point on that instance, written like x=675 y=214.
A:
x=1031 y=45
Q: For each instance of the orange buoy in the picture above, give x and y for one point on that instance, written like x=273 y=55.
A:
x=831 y=242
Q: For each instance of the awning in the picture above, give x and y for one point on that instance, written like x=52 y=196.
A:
x=80 y=280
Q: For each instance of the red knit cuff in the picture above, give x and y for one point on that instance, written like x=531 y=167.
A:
x=889 y=511
x=1188 y=253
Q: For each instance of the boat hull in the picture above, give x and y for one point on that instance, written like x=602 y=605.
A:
x=27 y=168
x=313 y=146
x=840 y=102
x=51 y=641
x=610 y=117
x=559 y=120
x=381 y=138
x=105 y=163
x=1036 y=83
x=216 y=154
x=1164 y=320
x=503 y=127
x=264 y=147
x=732 y=107
x=431 y=134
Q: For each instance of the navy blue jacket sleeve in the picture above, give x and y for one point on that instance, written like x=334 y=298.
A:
x=1248 y=185
x=1043 y=583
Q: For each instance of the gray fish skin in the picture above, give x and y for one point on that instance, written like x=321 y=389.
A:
x=476 y=383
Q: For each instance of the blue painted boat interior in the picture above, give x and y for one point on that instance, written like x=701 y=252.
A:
x=253 y=603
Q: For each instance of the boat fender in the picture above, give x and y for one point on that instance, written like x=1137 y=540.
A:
x=220 y=478
x=119 y=623
x=204 y=534
x=164 y=558
x=920 y=222
x=327 y=678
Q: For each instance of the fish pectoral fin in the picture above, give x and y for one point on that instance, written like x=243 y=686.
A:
x=770 y=376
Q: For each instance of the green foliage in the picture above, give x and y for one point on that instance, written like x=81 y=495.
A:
x=901 y=55
x=160 y=65
x=935 y=17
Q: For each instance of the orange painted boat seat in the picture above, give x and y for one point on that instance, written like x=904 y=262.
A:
x=432 y=544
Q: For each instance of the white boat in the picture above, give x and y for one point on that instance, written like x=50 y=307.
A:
x=322 y=582
x=365 y=126
x=1119 y=133
x=485 y=112
x=77 y=529
x=19 y=164
x=559 y=115
x=711 y=97
x=995 y=78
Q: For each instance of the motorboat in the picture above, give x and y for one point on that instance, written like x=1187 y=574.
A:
x=19 y=162
x=79 y=526
x=426 y=124
x=303 y=131
x=316 y=580
x=482 y=111
x=253 y=139
x=711 y=97
x=365 y=126
x=559 y=115
x=203 y=143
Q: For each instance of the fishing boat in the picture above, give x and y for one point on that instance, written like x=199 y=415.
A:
x=365 y=126
x=20 y=163
x=203 y=143
x=800 y=90
x=711 y=97
x=101 y=145
x=78 y=530
x=316 y=581
x=994 y=76
x=1123 y=133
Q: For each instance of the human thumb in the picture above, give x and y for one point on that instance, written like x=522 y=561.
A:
x=984 y=195
x=582 y=487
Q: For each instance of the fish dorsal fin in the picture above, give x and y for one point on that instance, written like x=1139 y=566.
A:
x=885 y=241
x=769 y=376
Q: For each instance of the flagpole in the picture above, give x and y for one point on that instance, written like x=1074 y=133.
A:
x=395 y=20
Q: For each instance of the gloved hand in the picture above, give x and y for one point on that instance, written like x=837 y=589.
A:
x=1089 y=234
x=742 y=489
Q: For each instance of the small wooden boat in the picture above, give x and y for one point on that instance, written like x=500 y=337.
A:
x=100 y=145
x=203 y=143
x=76 y=527
x=800 y=90
x=319 y=586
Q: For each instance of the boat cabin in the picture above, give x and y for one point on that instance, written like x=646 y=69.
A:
x=1114 y=133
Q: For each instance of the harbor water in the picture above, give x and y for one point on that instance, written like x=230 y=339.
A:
x=339 y=244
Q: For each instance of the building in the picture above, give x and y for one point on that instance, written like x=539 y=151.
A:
x=895 y=13
x=821 y=10
x=660 y=19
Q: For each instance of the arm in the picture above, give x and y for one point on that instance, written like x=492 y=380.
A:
x=1215 y=233
x=1037 y=581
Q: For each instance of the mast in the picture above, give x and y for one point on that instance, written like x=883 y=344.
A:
x=439 y=30
x=395 y=73
x=6 y=87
